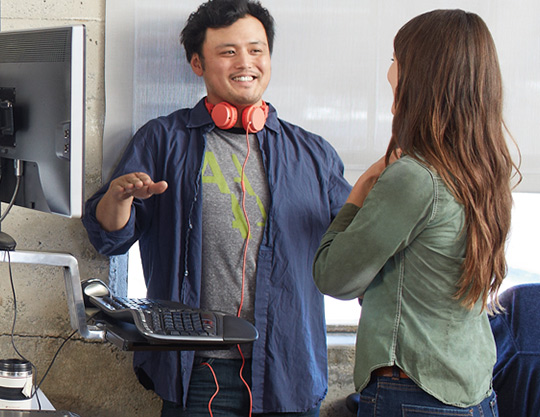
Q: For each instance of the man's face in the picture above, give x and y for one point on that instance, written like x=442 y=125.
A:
x=235 y=64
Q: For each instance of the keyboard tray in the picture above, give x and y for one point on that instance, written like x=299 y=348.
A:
x=125 y=336
x=129 y=325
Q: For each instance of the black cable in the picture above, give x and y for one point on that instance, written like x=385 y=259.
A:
x=35 y=387
x=18 y=165
x=18 y=174
x=57 y=353
x=34 y=390
x=54 y=359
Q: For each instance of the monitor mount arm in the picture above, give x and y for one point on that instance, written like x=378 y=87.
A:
x=72 y=281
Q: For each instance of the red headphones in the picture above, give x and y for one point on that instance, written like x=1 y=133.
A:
x=225 y=116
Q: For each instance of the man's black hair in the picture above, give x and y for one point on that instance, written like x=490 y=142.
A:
x=219 y=14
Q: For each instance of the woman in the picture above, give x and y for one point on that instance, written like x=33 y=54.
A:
x=421 y=238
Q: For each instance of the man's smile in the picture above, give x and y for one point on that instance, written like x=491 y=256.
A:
x=244 y=78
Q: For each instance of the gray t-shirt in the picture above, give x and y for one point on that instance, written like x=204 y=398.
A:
x=225 y=228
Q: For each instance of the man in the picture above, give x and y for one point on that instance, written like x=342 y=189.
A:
x=229 y=219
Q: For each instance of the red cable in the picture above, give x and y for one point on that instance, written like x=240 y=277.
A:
x=244 y=257
x=244 y=381
x=244 y=261
x=217 y=388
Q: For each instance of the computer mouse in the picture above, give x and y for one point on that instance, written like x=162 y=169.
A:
x=95 y=287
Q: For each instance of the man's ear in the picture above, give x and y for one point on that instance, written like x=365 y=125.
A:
x=196 y=64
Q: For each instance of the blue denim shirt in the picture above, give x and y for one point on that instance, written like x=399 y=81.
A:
x=307 y=190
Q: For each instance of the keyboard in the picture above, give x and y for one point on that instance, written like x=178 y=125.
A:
x=172 y=322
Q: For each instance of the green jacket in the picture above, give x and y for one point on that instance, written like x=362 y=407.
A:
x=402 y=252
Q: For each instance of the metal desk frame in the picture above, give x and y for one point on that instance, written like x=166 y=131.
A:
x=123 y=335
x=72 y=281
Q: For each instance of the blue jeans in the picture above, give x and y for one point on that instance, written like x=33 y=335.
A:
x=232 y=399
x=394 y=397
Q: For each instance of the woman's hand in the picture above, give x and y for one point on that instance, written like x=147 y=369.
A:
x=367 y=180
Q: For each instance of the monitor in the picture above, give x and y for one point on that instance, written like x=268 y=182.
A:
x=42 y=119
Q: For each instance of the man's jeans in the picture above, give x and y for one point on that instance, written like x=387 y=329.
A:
x=395 y=397
x=232 y=398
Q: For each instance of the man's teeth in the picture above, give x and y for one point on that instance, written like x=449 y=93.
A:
x=245 y=78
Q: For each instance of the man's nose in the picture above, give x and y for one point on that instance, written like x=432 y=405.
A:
x=244 y=60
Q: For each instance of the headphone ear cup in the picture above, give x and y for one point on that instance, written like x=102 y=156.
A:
x=253 y=119
x=224 y=115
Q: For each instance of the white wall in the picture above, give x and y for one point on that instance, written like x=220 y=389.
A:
x=328 y=75
x=329 y=69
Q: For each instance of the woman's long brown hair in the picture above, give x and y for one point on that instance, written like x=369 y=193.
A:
x=448 y=112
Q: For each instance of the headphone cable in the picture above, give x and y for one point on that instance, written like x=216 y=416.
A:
x=244 y=262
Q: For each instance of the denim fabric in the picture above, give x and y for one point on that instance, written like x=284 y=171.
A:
x=307 y=188
x=516 y=375
x=232 y=398
x=394 y=397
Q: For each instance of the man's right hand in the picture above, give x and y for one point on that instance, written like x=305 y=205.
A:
x=136 y=184
x=114 y=209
